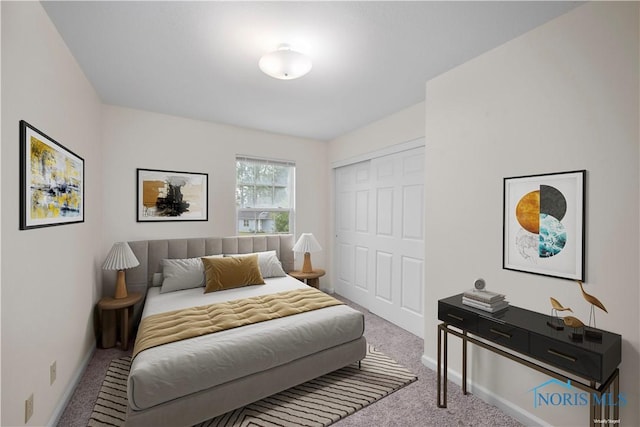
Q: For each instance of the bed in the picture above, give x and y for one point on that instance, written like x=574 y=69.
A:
x=188 y=381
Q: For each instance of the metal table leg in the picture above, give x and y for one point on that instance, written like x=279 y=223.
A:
x=464 y=363
x=593 y=411
x=442 y=376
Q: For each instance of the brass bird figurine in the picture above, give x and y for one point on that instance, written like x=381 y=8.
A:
x=594 y=302
x=572 y=322
x=557 y=306
x=575 y=323
x=555 y=322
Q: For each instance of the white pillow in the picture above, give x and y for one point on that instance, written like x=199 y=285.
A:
x=157 y=279
x=184 y=273
x=268 y=262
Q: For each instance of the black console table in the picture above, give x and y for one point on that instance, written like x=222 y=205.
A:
x=525 y=337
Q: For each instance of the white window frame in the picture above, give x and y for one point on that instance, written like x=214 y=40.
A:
x=261 y=210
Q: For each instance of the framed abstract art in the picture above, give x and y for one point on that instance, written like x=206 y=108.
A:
x=543 y=225
x=51 y=181
x=171 y=196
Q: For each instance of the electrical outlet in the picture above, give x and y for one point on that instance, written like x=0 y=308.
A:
x=52 y=372
x=28 y=408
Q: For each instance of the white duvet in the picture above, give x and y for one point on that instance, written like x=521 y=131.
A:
x=178 y=369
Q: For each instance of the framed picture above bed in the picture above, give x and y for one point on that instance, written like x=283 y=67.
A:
x=51 y=181
x=171 y=196
x=543 y=227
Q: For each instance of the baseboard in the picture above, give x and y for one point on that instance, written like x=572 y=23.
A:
x=454 y=376
x=506 y=406
x=429 y=362
x=68 y=393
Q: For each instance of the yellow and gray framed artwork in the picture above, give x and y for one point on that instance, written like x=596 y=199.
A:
x=543 y=224
x=171 y=196
x=51 y=181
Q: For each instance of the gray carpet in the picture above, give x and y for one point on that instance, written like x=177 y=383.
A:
x=316 y=403
x=413 y=405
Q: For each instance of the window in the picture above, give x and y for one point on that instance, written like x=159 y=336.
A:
x=264 y=195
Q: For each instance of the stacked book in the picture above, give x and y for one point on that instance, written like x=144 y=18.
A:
x=484 y=300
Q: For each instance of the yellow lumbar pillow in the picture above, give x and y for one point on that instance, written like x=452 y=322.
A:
x=227 y=273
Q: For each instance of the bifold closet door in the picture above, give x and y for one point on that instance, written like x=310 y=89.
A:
x=379 y=253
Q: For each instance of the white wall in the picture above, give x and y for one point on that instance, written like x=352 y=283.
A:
x=138 y=139
x=405 y=125
x=561 y=97
x=50 y=276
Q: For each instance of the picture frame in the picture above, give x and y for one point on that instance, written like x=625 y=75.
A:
x=164 y=195
x=544 y=224
x=51 y=181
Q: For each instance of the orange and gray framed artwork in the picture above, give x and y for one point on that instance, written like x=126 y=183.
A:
x=543 y=224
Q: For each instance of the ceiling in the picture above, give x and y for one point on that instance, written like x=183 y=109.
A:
x=200 y=59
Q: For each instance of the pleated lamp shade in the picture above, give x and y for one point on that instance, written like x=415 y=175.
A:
x=120 y=258
x=307 y=243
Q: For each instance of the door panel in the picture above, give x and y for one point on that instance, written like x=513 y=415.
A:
x=384 y=276
x=412 y=272
x=361 y=267
x=384 y=212
x=380 y=236
x=362 y=211
x=411 y=204
x=353 y=225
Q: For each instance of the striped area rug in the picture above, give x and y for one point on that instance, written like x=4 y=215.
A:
x=316 y=403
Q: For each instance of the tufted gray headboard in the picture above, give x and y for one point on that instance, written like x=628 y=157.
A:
x=151 y=252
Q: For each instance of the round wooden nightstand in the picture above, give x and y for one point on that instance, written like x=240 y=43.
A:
x=108 y=309
x=311 y=279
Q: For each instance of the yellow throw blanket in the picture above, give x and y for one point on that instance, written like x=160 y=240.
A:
x=164 y=328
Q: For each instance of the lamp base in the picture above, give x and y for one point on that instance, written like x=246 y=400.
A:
x=121 y=286
x=306 y=265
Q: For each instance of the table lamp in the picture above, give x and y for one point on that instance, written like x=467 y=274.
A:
x=120 y=258
x=307 y=244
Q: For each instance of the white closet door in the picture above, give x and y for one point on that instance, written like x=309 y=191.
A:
x=380 y=236
x=353 y=231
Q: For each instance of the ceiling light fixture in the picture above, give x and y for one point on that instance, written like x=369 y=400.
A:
x=285 y=64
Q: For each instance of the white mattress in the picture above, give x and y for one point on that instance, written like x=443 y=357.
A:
x=177 y=369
